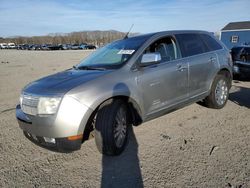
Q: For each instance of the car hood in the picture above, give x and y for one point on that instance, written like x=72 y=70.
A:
x=62 y=82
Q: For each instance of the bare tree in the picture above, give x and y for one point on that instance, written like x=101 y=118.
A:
x=93 y=37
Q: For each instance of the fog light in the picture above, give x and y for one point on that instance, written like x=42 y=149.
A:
x=50 y=140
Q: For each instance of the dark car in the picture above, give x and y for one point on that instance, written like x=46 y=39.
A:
x=75 y=47
x=66 y=46
x=34 y=47
x=37 y=47
x=56 y=47
x=45 y=46
x=30 y=46
x=90 y=47
x=83 y=46
x=19 y=47
x=241 y=61
x=23 y=47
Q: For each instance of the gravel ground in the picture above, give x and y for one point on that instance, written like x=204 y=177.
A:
x=191 y=147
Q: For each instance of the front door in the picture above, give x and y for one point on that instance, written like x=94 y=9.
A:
x=164 y=84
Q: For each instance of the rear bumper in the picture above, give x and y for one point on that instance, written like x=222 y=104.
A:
x=241 y=67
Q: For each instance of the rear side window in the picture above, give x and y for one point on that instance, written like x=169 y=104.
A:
x=211 y=43
x=191 y=44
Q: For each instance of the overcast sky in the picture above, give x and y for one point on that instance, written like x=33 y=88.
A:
x=41 y=17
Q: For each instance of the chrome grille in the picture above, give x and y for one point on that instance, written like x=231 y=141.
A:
x=29 y=104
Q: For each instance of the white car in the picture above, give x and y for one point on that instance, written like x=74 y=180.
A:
x=11 y=45
x=3 y=46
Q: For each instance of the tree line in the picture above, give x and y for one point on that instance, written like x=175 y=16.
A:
x=91 y=37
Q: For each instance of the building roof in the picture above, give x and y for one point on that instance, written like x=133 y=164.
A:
x=237 y=26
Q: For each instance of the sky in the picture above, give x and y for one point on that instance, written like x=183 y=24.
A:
x=42 y=17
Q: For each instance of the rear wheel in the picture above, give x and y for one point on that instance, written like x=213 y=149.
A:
x=111 y=127
x=219 y=93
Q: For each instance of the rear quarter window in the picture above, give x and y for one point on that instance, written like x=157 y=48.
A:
x=211 y=43
x=191 y=44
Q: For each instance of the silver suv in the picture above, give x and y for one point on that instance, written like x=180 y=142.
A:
x=126 y=82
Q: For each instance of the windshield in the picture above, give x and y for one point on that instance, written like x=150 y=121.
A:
x=113 y=55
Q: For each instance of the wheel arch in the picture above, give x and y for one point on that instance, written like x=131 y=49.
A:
x=134 y=113
x=223 y=71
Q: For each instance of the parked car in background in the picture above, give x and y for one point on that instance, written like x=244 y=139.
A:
x=45 y=46
x=23 y=46
x=241 y=61
x=3 y=45
x=90 y=47
x=66 y=46
x=11 y=45
x=56 y=47
x=125 y=83
x=75 y=47
x=31 y=47
x=36 y=47
x=19 y=46
x=82 y=46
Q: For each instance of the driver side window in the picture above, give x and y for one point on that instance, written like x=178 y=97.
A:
x=166 y=47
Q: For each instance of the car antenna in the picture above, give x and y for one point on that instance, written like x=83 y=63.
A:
x=126 y=36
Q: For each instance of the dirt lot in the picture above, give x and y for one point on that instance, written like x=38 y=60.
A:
x=191 y=147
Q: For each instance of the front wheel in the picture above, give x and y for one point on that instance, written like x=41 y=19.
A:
x=111 y=127
x=219 y=93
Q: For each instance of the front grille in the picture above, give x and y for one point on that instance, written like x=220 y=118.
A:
x=29 y=104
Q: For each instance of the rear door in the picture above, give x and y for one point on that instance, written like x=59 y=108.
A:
x=201 y=60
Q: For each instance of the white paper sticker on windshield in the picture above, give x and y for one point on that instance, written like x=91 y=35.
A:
x=126 y=52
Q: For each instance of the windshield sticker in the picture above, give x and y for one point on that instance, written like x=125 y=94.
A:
x=126 y=52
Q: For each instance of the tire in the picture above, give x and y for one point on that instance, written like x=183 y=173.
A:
x=111 y=127
x=219 y=93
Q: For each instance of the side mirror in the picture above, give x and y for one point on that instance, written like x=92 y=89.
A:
x=150 y=59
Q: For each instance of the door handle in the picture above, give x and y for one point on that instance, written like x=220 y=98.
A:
x=212 y=59
x=180 y=67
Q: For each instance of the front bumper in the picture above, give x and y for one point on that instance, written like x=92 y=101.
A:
x=70 y=120
x=59 y=144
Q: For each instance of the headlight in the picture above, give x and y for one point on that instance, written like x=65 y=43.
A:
x=48 y=105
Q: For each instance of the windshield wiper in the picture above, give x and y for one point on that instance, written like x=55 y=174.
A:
x=89 y=68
